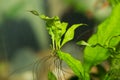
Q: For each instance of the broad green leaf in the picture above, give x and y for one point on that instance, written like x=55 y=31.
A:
x=51 y=76
x=94 y=55
x=104 y=36
x=73 y=63
x=69 y=35
x=110 y=28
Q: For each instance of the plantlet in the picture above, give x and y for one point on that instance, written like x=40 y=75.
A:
x=57 y=30
x=104 y=44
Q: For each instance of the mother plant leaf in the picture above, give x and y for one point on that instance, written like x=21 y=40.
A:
x=106 y=31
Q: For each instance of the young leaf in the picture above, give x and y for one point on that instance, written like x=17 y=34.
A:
x=69 y=35
x=34 y=12
x=55 y=28
x=73 y=63
x=83 y=43
x=59 y=31
x=63 y=27
x=51 y=76
x=46 y=18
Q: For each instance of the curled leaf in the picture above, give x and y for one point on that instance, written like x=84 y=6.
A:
x=34 y=12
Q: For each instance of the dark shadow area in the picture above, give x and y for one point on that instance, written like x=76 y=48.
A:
x=74 y=78
x=81 y=33
x=16 y=34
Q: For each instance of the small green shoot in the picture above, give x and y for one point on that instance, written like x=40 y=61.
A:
x=57 y=30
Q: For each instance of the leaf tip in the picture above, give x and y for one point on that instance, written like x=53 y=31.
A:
x=34 y=12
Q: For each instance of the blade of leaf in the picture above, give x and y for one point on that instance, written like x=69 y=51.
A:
x=94 y=55
x=63 y=26
x=73 y=63
x=35 y=12
x=106 y=30
x=69 y=35
x=51 y=76
x=83 y=43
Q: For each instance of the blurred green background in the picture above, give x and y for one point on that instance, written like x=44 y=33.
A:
x=23 y=36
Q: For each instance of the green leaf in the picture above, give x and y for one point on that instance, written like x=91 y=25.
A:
x=63 y=27
x=104 y=36
x=109 y=28
x=114 y=41
x=48 y=18
x=94 y=55
x=83 y=43
x=52 y=36
x=55 y=28
x=114 y=2
x=69 y=35
x=51 y=76
x=35 y=12
x=73 y=63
